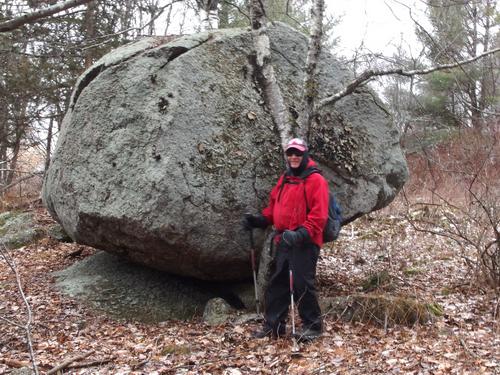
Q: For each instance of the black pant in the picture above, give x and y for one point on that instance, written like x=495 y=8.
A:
x=302 y=261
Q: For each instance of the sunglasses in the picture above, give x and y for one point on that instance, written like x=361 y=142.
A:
x=295 y=152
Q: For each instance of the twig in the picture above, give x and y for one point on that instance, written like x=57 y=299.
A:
x=320 y=368
x=11 y=322
x=69 y=361
x=97 y=362
x=14 y=362
x=5 y=188
x=467 y=350
x=241 y=11
x=105 y=38
x=138 y=365
x=27 y=326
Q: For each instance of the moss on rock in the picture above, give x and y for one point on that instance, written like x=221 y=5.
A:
x=18 y=229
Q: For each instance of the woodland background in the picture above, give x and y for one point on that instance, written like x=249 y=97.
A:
x=438 y=241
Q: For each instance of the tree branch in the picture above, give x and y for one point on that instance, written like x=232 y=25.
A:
x=69 y=361
x=27 y=326
x=5 y=188
x=39 y=14
x=368 y=74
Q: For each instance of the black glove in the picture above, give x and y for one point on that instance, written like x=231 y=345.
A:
x=254 y=221
x=292 y=238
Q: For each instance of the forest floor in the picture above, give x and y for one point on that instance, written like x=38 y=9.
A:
x=465 y=340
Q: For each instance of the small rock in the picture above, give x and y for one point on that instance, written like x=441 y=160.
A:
x=217 y=311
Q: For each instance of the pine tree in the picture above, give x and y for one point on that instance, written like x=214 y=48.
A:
x=461 y=30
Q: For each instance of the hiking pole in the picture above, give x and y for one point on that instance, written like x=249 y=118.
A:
x=295 y=346
x=292 y=304
x=252 y=256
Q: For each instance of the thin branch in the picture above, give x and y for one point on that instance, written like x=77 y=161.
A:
x=367 y=75
x=27 y=326
x=241 y=11
x=97 y=362
x=105 y=38
x=39 y=14
x=68 y=362
x=17 y=182
x=11 y=322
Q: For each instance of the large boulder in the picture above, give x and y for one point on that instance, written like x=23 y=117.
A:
x=166 y=144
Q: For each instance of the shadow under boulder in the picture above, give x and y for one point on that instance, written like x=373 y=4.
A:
x=126 y=290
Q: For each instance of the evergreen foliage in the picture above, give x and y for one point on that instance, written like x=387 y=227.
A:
x=467 y=95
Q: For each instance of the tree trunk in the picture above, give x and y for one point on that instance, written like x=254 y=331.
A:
x=310 y=89
x=20 y=132
x=209 y=15
x=487 y=81
x=3 y=144
x=475 y=112
x=49 y=144
x=224 y=15
x=153 y=13
x=264 y=72
x=15 y=155
x=90 y=31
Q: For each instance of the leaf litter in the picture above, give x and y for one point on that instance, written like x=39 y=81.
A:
x=464 y=341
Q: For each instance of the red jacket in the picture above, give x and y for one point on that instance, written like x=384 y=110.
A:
x=288 y=209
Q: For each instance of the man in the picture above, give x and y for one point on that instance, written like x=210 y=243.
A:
x=298 y=209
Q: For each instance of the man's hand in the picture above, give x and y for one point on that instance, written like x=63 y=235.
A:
x=292 y=238
x=254 y=221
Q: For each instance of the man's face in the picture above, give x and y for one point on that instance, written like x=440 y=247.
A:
x=294 y=157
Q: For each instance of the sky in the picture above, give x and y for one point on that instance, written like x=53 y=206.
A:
x=380 y=24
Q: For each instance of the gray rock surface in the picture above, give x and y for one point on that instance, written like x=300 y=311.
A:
x=18 y=229
x=57 y=232
x=166 y=145
x=126 y=290
x=217 y=311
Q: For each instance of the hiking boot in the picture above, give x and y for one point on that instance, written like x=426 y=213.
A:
x=262 y=333
x=307 y=335
x=266 y=332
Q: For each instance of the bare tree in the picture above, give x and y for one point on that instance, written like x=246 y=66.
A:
x=464 y=205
